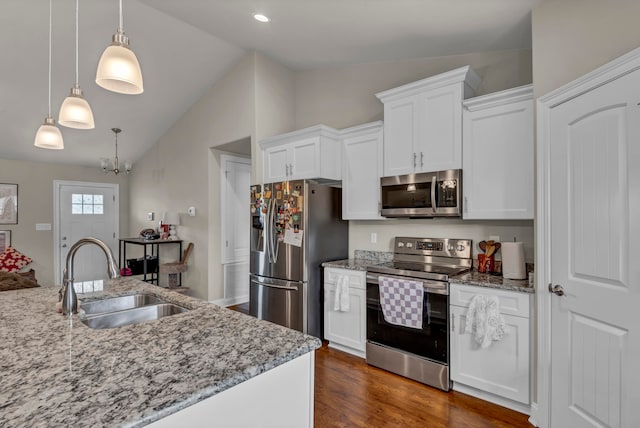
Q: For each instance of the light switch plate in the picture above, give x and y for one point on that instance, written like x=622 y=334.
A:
x=150 y=216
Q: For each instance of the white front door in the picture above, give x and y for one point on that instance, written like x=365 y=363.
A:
x=594 y=255
x=235 y=183
x=82 y=210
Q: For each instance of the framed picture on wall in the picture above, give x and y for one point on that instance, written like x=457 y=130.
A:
x=5 y=239
x=8 y=203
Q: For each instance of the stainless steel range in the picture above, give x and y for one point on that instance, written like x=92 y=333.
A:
x=417 y=349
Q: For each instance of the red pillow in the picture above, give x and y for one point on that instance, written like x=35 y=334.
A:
x=12 y=260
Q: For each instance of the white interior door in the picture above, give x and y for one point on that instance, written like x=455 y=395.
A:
x=235 y=196
x=85 y=209
x=594 y=253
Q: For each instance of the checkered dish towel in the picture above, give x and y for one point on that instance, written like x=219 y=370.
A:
x=401 y=301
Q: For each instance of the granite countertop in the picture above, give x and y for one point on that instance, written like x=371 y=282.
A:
x=492 y=281
x=362 y=259
x=58 y=372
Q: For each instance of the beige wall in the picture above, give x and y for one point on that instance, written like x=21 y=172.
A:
x=345 y=96
x=573 y=37
x=254 y=100
x=35 y=205
x=179 y=171
x=275 y=105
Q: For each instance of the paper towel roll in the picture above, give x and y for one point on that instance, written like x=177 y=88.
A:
x=513 y=260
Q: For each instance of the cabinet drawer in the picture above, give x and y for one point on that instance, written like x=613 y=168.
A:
x=511 y=302
x=356 y=277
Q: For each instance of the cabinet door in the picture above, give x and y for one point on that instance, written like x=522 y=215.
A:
x=304 y=159
x=276 y=164
x=347 y=329
x=361 y=172
x=498 y=162
x=502 y=369
x=399 y=136
x=438 y=143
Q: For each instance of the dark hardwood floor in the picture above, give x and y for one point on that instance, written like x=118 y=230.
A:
x=350 y=393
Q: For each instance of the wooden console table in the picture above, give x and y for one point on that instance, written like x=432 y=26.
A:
x=151 y=277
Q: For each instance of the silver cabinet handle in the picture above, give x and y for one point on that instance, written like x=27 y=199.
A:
x=414 y=160
x=556 y=289
x=291 y=169
x=421 y=159
x=286 y=169
x=64 y=245
x=453 y=323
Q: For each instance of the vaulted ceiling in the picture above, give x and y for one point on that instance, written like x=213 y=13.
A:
x=185 y=46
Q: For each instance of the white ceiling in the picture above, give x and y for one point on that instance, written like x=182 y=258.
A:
x=185 y=46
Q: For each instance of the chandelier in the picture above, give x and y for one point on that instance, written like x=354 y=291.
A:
x=109 y=165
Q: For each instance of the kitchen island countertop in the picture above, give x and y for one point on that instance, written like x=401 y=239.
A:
x=58 y=372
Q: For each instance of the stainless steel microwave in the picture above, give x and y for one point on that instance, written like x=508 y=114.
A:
x=423 y=195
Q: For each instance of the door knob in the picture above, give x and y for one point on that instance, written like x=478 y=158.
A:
x=556 y=289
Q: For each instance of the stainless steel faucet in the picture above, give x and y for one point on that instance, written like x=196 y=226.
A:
x=69 y=297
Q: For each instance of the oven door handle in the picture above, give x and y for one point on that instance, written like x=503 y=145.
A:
x=438 y=287
x=434 y=182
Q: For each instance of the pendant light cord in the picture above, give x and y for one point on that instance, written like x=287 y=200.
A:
x=120 y=22
x=50 y=32
x=77 y=79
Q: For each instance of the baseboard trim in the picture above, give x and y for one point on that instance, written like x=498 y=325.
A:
x=492 y=398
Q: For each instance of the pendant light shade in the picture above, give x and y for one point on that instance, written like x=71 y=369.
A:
x=48 y=135
x=118 y=68
x=75 y=111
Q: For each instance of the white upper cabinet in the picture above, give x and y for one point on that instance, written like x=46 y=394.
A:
x=498 y=156
x=361 y=171
x=313 y=152
x=423 y=123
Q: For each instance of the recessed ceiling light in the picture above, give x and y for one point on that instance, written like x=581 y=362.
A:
x=260 y=17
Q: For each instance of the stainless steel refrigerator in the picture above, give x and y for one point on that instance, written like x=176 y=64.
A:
x=295 y=227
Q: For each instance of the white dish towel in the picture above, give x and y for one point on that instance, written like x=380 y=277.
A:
x=341 y=296
x=484 y=320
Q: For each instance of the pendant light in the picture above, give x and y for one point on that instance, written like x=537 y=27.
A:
x=118 y=68
x=75 y=111
x=48 y=135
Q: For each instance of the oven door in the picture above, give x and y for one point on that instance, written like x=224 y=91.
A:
x=431 y=341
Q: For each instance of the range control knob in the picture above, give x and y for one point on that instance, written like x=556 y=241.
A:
x=409 y=245
x=460 y=247
x=400 y=244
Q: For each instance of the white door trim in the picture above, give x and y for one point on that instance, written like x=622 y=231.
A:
x=615 y=69
x=57 y=186
x=224 y=158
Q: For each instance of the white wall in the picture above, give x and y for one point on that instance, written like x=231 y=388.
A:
x=35 y=205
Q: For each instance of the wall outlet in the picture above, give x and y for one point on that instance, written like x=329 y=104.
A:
x=494 y=238
x=374 y=237
x=191 y=211
x=150 y=216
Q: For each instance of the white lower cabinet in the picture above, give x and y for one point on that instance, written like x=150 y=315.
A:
x=346 y=330
x=500 y=373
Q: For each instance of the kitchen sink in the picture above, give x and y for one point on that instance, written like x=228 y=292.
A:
x=119 y=303
x=137 y=315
